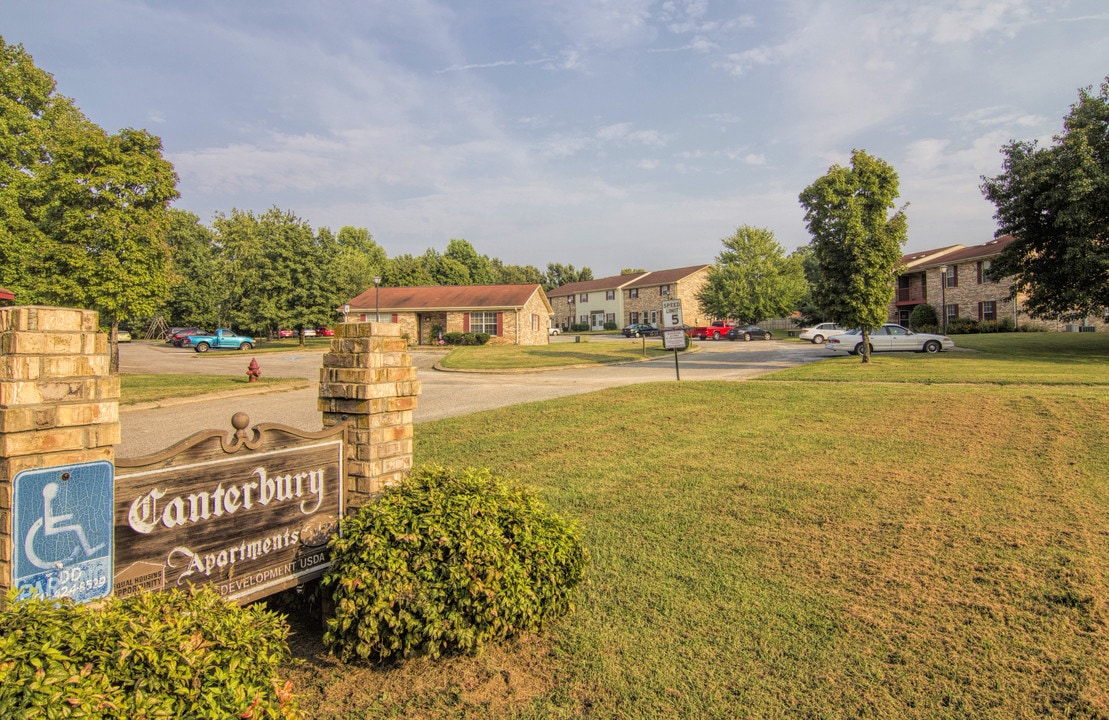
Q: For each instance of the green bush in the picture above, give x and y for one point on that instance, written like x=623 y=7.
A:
x=153 y=655
x=923 y=315
x=579 y=327
x=445 y=562
x=962 y=326
x=467 y=338
x=611 y=325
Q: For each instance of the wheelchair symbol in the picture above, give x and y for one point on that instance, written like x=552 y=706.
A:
x=51 y=524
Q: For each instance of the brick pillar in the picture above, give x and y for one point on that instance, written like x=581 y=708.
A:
x=368 y=381
x=58 y=403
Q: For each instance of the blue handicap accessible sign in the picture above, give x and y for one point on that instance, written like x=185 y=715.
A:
x=62 y=530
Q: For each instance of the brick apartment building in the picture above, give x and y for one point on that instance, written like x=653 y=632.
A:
x=625 y=299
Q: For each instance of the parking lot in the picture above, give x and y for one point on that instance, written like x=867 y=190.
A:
x=444 y=394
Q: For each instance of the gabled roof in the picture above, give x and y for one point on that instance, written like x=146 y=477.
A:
x=448 y=297
x=665 y=277
x=635 y=280
x=923 y=257
x=614 y=282
x=993 y=247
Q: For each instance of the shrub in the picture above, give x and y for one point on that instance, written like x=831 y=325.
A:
x=151 y=655
x=962 y=326
x=579 y=327
x=996 y=326
x=467 y=338
x=445 y=562
x=923 y=315
x=611 y=325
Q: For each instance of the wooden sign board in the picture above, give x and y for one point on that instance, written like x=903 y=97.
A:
x=251 y=516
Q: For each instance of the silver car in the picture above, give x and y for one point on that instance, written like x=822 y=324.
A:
x=890 y=338
x=818 y=333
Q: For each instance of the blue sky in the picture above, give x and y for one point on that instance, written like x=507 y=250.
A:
x=603 y=133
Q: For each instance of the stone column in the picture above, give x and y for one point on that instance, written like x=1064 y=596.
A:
x=368 y=381
x=58 y=403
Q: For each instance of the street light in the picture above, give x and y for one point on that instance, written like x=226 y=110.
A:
x=943 y=295
x=377 y=298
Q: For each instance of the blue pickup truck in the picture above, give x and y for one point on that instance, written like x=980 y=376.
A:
x=219 y=340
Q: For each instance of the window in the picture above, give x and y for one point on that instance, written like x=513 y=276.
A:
x=654 y=317
x=534 y=323
x=610 y=294
x=633 y=293
x=663 y=289
x=633 y=317
x=983 y=271
x=987 y=310
x=952 y=311
x=953 y=276
x=585 y=297
x=584 y=319
x=610 y=318
x=570 y=299
x=485 y=322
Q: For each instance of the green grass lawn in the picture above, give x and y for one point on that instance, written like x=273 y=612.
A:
x=138 y=387
x=558 y=354
x=821 y=543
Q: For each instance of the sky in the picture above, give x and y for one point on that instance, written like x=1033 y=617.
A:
x=607 y=134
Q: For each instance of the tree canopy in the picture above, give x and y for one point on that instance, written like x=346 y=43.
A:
x=752 y=278
x=856 y=242
x=83 y=214
x=1055 y=202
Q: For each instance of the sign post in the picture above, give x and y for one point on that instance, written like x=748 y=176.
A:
x=673 y=336
x=62 y=531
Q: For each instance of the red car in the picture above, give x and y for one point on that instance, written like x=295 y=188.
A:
x=325 y=332
x=286 y=334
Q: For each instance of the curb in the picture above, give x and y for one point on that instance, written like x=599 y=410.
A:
x=244 y=392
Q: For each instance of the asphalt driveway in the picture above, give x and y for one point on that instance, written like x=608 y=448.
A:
x=445 y=394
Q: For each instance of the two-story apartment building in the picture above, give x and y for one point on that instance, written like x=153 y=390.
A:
x=624 y=299
x=957 y=281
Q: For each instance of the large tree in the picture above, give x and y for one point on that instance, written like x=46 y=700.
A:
x=83 y=214
x=752 y=278
x=856 y=241
x=1055 y=202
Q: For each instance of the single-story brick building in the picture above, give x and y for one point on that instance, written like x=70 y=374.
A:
x=511 y=314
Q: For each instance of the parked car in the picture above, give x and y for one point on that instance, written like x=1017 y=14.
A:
x=308 y=332
x=123 y=336
x=718 y=329
x=819 y=333
x=286 y=334
x=221 y=339
x=638 y=329
x=748 y=332
x=178 y=338
x=554 y=331
x=171 y=332
x=325 y=332
x=890 y=338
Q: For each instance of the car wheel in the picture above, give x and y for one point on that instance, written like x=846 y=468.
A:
x=245 y=346
x=637 y=333
x=716 y=336
x=202 y=347
x=932 y=346
x=817 y=340
x=766 y=336
x=859 y=349
x=746 y=337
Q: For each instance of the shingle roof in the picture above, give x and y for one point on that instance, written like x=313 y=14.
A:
x=614 y=282
x=993 y=247
x=448 y=297
x=664 y=277
x=6 y=294
x=925 y=256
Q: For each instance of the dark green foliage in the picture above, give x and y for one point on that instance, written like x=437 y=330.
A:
x=156 y=655
x=1055 y=201
x=467 y=338
x=579 y=327
x=611 y=325
x=446 y=562
x=970 y=326
x=922 y=316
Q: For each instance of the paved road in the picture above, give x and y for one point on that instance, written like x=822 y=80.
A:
x=445 y=394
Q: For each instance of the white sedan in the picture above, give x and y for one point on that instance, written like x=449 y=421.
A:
x=890 y=338
x=817 y=333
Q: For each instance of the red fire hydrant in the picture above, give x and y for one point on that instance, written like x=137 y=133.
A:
x=253 y=372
